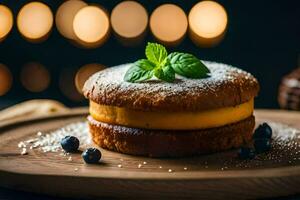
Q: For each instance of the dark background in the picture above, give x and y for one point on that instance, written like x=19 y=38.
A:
x=263 y=37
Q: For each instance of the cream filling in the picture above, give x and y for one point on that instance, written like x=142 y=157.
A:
x=171 y=120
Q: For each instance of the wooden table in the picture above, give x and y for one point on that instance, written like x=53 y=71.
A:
x=45 y=173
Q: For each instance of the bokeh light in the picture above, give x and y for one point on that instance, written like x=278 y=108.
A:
x=168 y=24
x=35 y=21
x=65 y=15
x=129 y=21
x=6 y=21
x=35 y=77
x=84 y=73
x=207 y=22
x=91 y=26
x=67 y=85
x=6 y=79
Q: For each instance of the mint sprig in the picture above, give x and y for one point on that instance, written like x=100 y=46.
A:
x=164 y=66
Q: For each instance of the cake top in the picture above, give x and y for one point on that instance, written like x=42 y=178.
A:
x=226 y=86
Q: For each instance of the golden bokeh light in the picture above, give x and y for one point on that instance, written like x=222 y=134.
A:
x=6 y=80
x=129 y=20
x=207 y=22
x=169 y=24
x=85 y=72
x=6 y=21
x=91 y=26
x=35 y=77
x=65 y=15
x=35 y=21
x=67 y=85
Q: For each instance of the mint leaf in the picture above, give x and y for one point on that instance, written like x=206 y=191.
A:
x=145 y=64
x=156 y=53
x=165 y=73
x=140 y=71
x=188 y=65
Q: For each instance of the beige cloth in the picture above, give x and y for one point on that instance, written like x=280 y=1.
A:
x=32 y=108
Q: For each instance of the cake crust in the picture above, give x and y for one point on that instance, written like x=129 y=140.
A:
x=227 y=86
x=170 y=143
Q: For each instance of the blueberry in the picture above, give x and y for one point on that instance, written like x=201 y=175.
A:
x=246 y=153
x=91 y=155
x=70 y=143
x=263 y=131
x=262 y=145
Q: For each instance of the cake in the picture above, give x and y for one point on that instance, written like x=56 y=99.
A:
x=289 y=91
x=161 y=119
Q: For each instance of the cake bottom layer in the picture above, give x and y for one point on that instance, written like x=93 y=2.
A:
x=170 y=143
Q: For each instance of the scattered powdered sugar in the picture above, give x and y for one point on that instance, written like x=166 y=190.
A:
x=284 y=133
x=50 y=142
x=285 y=150
x=24 y=151
x=286 y=144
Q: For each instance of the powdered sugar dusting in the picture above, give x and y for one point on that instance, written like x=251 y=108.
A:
x=109 y=88
x=220 y=73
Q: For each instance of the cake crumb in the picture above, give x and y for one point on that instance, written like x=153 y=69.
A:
x=70 y=158
x=185 y=168
x=120 y=166
x=76 y=169
x=140 y=165
x=145 y=163
x=160 y=167
x=170 y=170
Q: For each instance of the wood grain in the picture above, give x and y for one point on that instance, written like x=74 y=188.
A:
x=207 y=177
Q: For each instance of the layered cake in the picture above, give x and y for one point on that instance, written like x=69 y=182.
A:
x=162 y=119
x=289 y=91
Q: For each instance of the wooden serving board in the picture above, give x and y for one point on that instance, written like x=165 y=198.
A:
x=215 y=176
